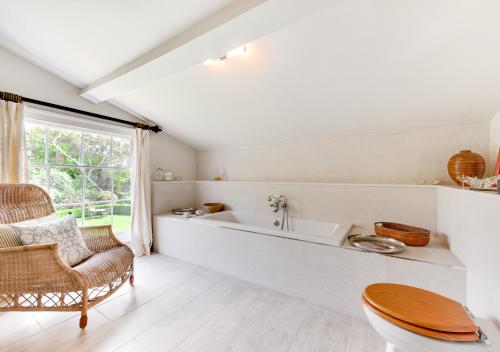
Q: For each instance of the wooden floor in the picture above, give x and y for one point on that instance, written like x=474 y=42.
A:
x=180 y=307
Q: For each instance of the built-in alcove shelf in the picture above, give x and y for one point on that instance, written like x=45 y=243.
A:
x=161 y=182
x=346 y=184
x=436 y=252
x=485 y=194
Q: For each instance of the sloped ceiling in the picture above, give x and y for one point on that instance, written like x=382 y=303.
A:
x=348 y=67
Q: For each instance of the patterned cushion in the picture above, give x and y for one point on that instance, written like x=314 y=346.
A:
x=64 y=232
x=9 y=237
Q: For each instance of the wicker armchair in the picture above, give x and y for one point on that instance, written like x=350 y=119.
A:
x=34 y=278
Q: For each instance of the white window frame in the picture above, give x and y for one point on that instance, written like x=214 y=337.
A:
x=52 y=119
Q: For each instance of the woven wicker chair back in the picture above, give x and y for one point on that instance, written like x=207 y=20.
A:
x=21 y=202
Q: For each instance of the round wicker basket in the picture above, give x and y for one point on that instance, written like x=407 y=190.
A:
x=213 y=207
x=409 y=235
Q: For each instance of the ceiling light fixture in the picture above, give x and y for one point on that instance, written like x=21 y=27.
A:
x=242 y=50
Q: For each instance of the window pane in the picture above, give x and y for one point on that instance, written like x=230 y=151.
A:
x=97 y=149
x=75 y=210
x=98 y=185
x=122 y=184
x=121 y=151
x=122 y=220
x=98 y=214
x=65 y=185
x=64 y=146
x=39 y=177
x=35 y=142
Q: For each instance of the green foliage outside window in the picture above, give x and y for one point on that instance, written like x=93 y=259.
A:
x=86 y=174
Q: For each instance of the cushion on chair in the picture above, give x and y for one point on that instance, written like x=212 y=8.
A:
x=9 y=237
x=64 y=232
x=105 y=267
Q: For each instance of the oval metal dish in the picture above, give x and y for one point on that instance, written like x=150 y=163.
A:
x=181 y=211
x=377 y=244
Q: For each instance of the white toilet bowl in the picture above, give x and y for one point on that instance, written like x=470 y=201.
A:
x=401 y=340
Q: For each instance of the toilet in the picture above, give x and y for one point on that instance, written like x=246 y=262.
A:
x=411 y=319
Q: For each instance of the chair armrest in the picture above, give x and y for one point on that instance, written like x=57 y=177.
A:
x=99 y=238
x=36 y=268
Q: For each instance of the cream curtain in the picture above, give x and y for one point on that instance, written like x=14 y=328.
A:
x=142 y=237
x=13 y=160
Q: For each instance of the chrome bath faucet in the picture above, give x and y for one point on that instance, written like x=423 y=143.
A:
x=279 y=202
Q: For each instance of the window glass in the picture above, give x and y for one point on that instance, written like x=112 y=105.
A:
x=87 y=174
x=35 y=142
x=121 y=151
x=65 y=186
x=66 y=210
x=64 y=146
x=99 y=185
x=97 y=149
x=98 y=214
x=39 y=176
x=121 y=216
x=121 y=184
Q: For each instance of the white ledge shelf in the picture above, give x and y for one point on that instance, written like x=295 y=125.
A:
x=173 y=181
x=483 y=194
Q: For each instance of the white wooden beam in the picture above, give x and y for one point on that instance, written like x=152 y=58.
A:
x=236 y=25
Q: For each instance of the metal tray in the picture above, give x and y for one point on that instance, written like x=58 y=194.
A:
x=377 y=244
x=184 y=210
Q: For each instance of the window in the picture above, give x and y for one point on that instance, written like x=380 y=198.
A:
x=87 y=173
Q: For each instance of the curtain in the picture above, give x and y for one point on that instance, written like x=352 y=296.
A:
x=142 y=236
x=13 y=160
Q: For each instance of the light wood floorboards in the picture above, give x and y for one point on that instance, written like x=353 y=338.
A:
x=180 y=307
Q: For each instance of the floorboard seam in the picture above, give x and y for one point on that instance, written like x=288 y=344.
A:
x=300 y=326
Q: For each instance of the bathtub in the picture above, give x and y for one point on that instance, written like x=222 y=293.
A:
x=328 y=233
x=307 y=261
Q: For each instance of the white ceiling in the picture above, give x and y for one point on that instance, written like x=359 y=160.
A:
x=355 y=66
x=86 y=40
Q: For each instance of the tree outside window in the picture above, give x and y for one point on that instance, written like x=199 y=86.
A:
x=87 y=174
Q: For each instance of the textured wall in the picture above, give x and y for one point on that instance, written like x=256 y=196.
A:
x=384 y=158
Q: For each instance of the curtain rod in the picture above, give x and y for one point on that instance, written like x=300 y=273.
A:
x=18 y=99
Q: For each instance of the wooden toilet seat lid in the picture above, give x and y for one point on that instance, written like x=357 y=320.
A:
x=419 y=307
x=441 y=335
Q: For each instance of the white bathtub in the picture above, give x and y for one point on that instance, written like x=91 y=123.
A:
x=306 y=262
x=299 y=229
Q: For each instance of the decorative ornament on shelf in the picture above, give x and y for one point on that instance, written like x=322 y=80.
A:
x=159 y=174
x=477 y=184
x=168 y=175
x=218 y=174
x=466 y=163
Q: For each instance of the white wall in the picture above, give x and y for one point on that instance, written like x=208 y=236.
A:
x=384 y=158
x=494 y=141
x=21 y=77
x=169 y=153
x=166 y=196
x=361 y=205
x=471 y=220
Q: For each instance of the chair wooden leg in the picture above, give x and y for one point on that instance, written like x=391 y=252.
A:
x=83 y=318
x=83 y=321
x=131 y=279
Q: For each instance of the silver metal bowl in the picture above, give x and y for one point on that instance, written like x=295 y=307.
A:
x=377 y=244
x=181 y=211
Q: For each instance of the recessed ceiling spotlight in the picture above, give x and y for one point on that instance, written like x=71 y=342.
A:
x=242 y=50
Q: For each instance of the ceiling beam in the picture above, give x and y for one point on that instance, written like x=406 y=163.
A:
x=236 y=25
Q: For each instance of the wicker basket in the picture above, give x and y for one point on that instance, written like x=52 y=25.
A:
x=213 y=207
x=409 y=235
